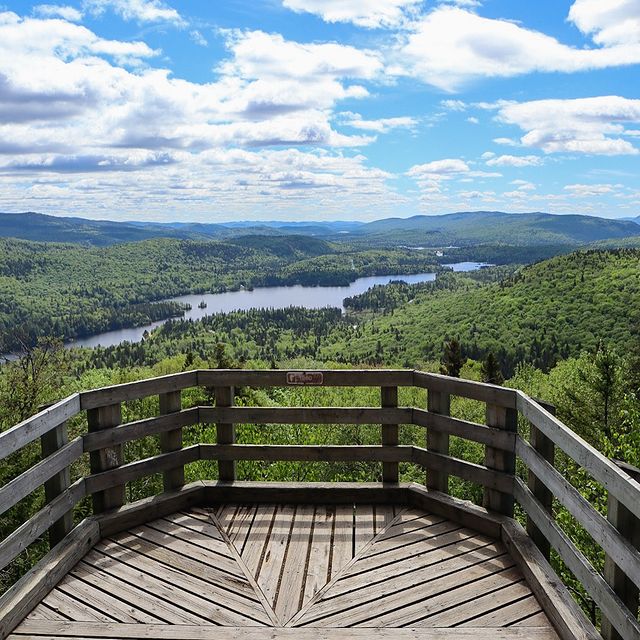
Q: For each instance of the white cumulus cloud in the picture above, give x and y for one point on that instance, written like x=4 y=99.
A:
x=591 y=190
x=58 y=11
x=514 y=161
x=582 y=125
x=451 y=46
x=138 y=10
x=363 y=13
x=609 y=22
x=380 y=125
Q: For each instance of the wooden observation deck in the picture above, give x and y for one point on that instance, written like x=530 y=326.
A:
x=222 y=559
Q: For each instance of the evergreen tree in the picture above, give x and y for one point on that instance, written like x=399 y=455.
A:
x=490 y=370
x=452 y=360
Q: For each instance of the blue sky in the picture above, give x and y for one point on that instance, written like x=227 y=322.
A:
x=319 y=109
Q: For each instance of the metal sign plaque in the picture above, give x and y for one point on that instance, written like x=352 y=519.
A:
x=305 y=377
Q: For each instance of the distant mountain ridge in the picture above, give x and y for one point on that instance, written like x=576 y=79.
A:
x=479 y=227
x=462 y=228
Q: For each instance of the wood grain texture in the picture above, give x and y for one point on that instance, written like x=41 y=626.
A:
x=423 y=570
x=21 y=486
x=28 y=430
x=614 y=479
x=25 y=594
x=323 y=568
x=564 y=613
x=53 y=630
x=616 y=546
x=25 y=534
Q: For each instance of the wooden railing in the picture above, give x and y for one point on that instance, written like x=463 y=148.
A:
x=615 y=590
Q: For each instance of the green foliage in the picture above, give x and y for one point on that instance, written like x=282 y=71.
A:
x=452 y=360
x=490 y=370
x=541 y=314
x=71 y=291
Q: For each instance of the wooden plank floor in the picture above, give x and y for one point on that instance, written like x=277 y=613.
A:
x=238 y=571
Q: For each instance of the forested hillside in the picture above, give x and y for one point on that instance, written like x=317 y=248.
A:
x=70 y=291
x=463 y=229
x=470 y=228
x=540 y=314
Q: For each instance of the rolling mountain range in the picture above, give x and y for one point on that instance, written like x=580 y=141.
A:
x=462 y=229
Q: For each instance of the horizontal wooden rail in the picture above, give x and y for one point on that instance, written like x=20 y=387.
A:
x=139 y=389
x=605 y=597
x=496 y=438
x=606 y=472
x=489 y=393
x=141 y=468
x=324 y=377
x=140 y=429
x=598 y=527
x=439 y=462
x=21 y=486
x=17 y=541
x=306 y=453
x=32 y=428
x=305 y=415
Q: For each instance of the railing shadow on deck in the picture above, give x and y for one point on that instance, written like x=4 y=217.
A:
x=615 y=591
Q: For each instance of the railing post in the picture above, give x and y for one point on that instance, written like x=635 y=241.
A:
x=226 y=433
x=107 y=458
x=629 y=527
x=499 y=460
x=545 y=447
x=171 y=440
x=389 y=398
x=50 y=442
x=440 y=403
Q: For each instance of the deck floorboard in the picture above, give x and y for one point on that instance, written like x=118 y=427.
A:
x=252 y=572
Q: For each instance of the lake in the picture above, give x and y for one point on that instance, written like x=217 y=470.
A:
x=264 y=298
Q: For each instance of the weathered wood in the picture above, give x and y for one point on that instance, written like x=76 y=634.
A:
x=330 y=378
x=306 y=415
x=464 y=429
x=565 y=615
x=489 y=393
x=462 y=511
x=328 y=453
x=201 y=589
x=545 y=447
x=505 y=461
x=118 y=476
x=25 y=594
x=447 y=465
x=226 y=432
x=105 y=459
x=390 y=433
x=21 y=486
x=616 y=576
x=605 y=597
x=53 y=629
x=140 y=429
x=51 y=442
x=32 y=428
x=17 y=541
x=148 y=509
x=438 y=403
x=171 y=403
x=616 y=481
x=136 y=390
x=130 y=589
x=619 y=549
x=329 y=493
